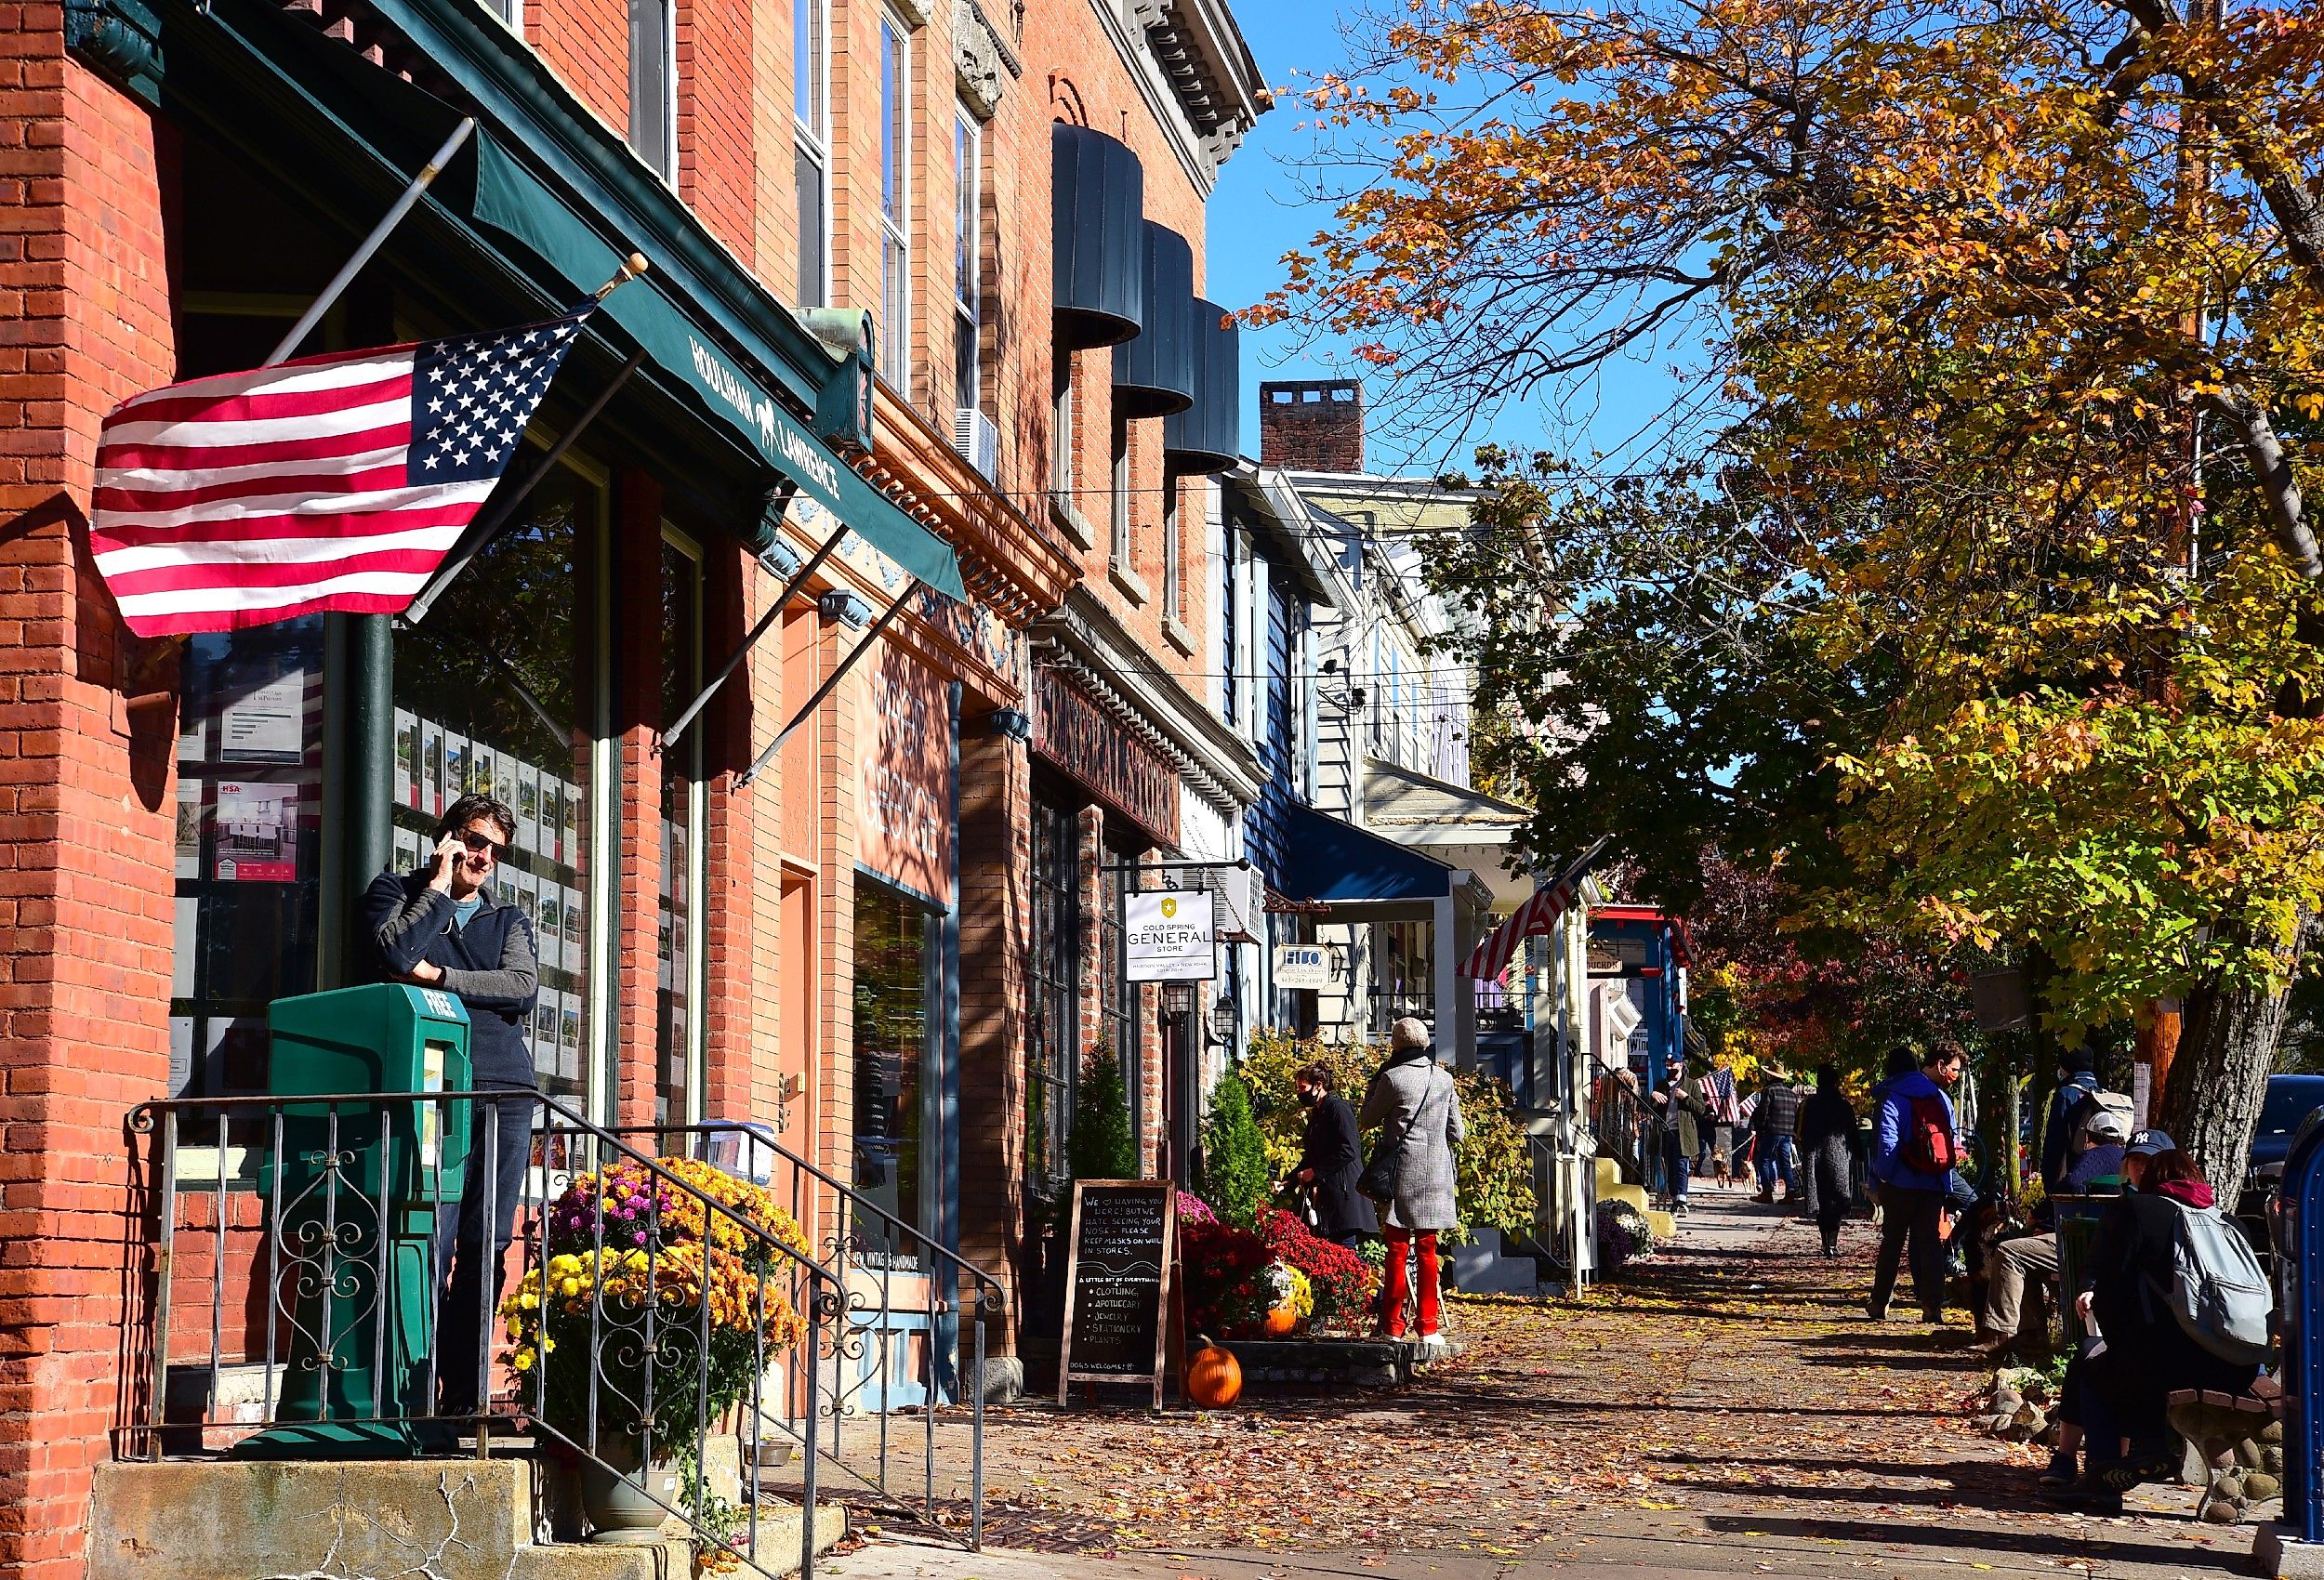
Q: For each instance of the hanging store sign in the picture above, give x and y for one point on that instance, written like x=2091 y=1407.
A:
x=1305 y=966
x=903 y=783
x=1170 y=937
x=1112 y=764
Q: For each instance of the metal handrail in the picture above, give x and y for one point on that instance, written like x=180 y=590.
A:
x=331 y=1264
x=990 y=1300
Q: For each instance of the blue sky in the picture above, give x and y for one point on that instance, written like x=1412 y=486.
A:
x=1256 y=216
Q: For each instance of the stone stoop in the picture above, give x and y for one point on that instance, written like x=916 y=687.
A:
x=442 y=1519
x=1612 y=1189
x=1484 y=1267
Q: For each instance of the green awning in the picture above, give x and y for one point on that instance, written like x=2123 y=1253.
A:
x=514 y=202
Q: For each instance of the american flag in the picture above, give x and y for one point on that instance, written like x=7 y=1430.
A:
x=333 y=482
x=1537 y=915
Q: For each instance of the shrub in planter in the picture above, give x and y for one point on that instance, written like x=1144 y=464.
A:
x=1235 y=1173
x=1623 y=1232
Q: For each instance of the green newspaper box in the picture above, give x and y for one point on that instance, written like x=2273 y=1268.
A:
x=355 y=1192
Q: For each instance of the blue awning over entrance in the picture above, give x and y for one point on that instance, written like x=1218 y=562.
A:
x=1335 y=862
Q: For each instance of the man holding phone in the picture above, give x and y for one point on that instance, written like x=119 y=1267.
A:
x=441 y=926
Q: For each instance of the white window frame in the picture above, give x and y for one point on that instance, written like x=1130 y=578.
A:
x=1173 y=527
x=666 y=166
x=896 y=229
x=1061 y=460
x=968 y=253
x=810 y=134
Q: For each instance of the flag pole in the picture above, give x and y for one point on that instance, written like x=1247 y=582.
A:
x=830 y=684
x=379 y=232
x=774 y=611
x=482 y=534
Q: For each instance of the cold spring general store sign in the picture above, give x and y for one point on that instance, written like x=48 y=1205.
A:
x=1170 y=937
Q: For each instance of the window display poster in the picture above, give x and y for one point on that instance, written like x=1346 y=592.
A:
x=545 y=1032
x=552 y=836
x=528 y=807
x=430 y=767
x=574 y=937
x=568 y=816
x=456 y=767
x=256 y=833
x=484 y=771
x=266 y=720
x=518 y=888
x=569 y=1035
x=406 y=757
x=549 y=926
x=188 y=829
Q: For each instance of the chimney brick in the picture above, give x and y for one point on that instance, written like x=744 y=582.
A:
x=1312 y=425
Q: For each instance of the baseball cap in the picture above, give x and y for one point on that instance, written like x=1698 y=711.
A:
x=2147 y=1143
x=2107 y=1126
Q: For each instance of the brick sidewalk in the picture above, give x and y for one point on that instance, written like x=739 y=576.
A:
x=1727 y=1409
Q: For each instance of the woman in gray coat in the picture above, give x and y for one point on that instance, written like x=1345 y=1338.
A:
x=1419 y=1110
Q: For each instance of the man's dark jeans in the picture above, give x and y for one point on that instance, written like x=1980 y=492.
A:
x=464 y=1326
x=1910 y=1214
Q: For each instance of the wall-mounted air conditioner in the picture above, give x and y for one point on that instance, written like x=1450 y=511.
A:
x=978 y=440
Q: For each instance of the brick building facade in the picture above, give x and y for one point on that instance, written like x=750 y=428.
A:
x=185 y=824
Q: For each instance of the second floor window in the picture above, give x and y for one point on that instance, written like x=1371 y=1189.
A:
x=968 y=260
x=1061 y=438
x=653 y=84
x=1120 y=495
x=895 y=201
x=811 y=149
x=1171 y=589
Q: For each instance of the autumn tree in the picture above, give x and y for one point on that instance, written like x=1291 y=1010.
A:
x=1975 y=588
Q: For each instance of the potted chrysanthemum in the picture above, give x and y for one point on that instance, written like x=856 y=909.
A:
x=650 y=1318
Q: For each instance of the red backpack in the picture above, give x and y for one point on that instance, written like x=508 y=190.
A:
x=1929 y=1143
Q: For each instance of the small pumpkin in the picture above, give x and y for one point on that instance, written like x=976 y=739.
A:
x=1214 y=1377
x=1281 y=1320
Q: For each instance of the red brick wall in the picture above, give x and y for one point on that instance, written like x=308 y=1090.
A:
x=996 y=876
x=87 y=807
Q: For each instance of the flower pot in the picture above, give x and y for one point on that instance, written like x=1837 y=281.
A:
x=619 y=1493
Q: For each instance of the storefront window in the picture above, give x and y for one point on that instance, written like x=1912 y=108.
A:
x=1052 y=969
x=677 y=947
x=896 y=973
x=1119 y=997
x=499 y=691
x=249 y=847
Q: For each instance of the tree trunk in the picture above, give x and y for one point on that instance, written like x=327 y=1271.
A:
x=2211 y=1101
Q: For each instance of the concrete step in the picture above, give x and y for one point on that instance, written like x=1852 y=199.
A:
x=1611 y=1189
x=446 y=1519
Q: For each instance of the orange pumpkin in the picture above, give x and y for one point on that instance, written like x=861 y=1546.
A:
x=1214 y=1377
x=1281 y=1320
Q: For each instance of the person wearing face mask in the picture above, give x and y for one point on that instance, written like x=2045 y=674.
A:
x=1331 y=1161
x=442 y=927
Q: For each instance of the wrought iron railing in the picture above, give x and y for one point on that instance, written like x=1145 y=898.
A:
x=1618 y=1120
x=897 y=1337
x=664 y=1330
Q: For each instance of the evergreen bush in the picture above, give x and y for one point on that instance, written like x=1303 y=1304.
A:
x=1235 y=1176
x=1102 y=1146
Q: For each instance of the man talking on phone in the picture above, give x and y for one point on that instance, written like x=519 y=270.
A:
x=443 y=927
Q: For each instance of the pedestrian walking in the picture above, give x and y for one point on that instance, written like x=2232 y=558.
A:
x=1417 y=1108
x=1331 y=1160
x=1828 y=1125
x=1684 y=1114
x=1775 y=1127
x=1914 y=1149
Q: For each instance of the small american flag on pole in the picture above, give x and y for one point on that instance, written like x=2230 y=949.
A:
x=1537 y=915
x=331 y=483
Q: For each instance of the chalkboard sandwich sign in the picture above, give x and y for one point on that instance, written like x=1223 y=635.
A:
x=1121 y=1260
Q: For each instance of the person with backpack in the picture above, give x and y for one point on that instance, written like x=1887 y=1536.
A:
x=2077 y=1080
x=2178 y=1301
x=2094 y=1172
x=1914 y=1151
